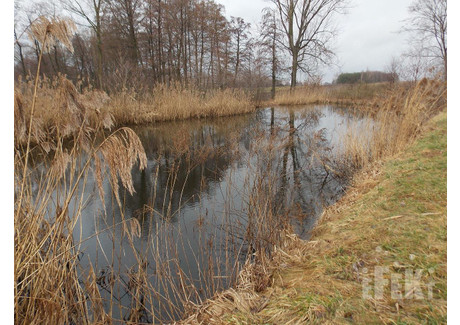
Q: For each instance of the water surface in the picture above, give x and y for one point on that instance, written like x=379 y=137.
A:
x=198 y=202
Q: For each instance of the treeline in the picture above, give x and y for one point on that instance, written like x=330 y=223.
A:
x=139 y=43
x=366 y=77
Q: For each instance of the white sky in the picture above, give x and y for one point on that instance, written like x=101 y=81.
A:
x=368 y=36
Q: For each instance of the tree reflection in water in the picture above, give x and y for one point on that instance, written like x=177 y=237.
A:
x=213 y=193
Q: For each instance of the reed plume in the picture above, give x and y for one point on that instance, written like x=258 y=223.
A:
x=48 y=32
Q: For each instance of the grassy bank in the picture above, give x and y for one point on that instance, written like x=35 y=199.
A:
x=393 y=219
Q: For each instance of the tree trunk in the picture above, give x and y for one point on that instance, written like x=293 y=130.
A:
x=294 y=70
x=445 y=67
x=99 y=63
x=99 y=46
x=273 y=68
x=237 y=64
x=132 y=34
x=21 y=56
x=161 y=60
x=272 y=120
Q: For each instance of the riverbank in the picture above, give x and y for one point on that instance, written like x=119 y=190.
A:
x=361 y=96
x=377 y=256
x=61 y=107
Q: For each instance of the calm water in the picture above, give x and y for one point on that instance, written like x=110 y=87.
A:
x=205 y=184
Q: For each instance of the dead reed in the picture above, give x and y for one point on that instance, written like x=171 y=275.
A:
x=395 y=125
x=176 y=102
x=366 y=95
x=49 y=200
x=59 y=111
x=55 y=114
x=47 y=283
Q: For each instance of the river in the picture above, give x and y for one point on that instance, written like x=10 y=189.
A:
x=214 y=193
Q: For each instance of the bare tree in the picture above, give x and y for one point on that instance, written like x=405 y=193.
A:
x=308 y=28
x=414 y=66
x=126 y=17
x=269 y=42
x=137 y=43
x=91 y=11
x=428 y=22
x=240 y=29
x=393 y=70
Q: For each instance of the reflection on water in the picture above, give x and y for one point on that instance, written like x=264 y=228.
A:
x=196 y=203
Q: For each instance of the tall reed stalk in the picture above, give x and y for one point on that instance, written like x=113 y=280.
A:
x=47 y=284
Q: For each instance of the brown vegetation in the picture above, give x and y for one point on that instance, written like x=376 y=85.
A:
x=358 y=95
x=177 y=103
x=47 y=285
x=396 y=124
x=58 y=103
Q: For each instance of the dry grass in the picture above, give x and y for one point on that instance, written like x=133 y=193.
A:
x=177 y=103
x=396 y=124
x=60 y=111
x=359 y=95
x=47 y=284
x=247 y=297
x=57 y=104
x=48 y=201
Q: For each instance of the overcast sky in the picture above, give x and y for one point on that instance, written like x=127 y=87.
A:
x=368 y=36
